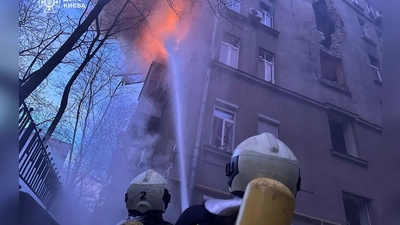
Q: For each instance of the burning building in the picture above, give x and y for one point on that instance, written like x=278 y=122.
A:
x=306 y=71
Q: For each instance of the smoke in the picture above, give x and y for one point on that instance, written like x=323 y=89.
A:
x=144 y=25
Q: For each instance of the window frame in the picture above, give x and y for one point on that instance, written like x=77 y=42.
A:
x=271 y=64
x=379 y=36
x=227 y=110
x=348 y=129
x=268 y=120
x=358 y=200
x=230 y=4
x=265 y=14
x=364 y=28
x=375 y=69
x=230 y=46
x=370 y=9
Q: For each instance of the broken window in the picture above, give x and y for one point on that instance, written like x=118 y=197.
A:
x=324 y=23
x=235 y=5
x=356 y=210
x=229 y=53
x=342 y=136
x=266 y=66
x=222 y=129
x=331 y=67
x=375 y=67
x=363 y=26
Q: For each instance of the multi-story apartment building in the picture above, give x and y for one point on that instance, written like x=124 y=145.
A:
x=306 y=71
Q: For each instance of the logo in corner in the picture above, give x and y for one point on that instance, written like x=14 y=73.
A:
x=49 y=5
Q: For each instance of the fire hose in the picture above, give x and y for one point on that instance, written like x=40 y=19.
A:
x=266 y=202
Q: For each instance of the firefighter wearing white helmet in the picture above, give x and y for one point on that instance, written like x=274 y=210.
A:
x=147 y=199
x=260 y=156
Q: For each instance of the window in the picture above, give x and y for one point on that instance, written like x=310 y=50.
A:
x=266 y=66
x=235 y=5
x=375 y=67
x=324 y=22
x=266 y=18
x=342 y=136
x=229 y=53
x=266 y=9
x=331 y=67
x=363 y=26
x=222 y=129
x=266 y=124
x=356 y=210
x=379 y=35
x=371 y=11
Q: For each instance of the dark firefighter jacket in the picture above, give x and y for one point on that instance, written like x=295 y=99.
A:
x=198 y=215
x=146 y=220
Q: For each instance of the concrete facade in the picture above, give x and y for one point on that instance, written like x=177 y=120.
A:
x=302 y=102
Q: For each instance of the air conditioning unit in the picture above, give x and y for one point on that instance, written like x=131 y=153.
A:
x=255 y=15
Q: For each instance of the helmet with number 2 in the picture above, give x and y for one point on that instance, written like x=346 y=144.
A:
x=147 y=192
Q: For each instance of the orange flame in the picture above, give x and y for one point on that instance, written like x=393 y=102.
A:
x=166 y=22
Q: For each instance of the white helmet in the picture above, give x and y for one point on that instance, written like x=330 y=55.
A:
x=262 y=156
x=147 y=192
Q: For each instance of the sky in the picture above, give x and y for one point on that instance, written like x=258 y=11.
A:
x=63 y=73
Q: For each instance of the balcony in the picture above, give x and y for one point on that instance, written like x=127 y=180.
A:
x=36 y=168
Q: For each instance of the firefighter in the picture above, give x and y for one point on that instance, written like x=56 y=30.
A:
x=147 y=199
x=260 y=156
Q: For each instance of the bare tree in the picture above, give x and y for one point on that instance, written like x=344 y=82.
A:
x=96 y=116
x=84 y=49
x=39 y=36
x=33 y=80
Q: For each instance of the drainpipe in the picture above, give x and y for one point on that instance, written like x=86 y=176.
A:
x=201 y=116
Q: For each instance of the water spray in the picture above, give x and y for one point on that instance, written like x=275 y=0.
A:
x=176 y=88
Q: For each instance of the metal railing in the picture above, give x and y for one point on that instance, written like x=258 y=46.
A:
x=35 y=166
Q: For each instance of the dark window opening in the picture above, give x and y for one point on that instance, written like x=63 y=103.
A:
x=373 y=60
x=379 y=35
x=324 y=23
x=153 y=124
x=351 y=212
x=337 y=137
x=331 y=67
x=139 y=130
x=356 y=210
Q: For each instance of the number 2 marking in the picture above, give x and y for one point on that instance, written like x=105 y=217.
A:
x=143 y=195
